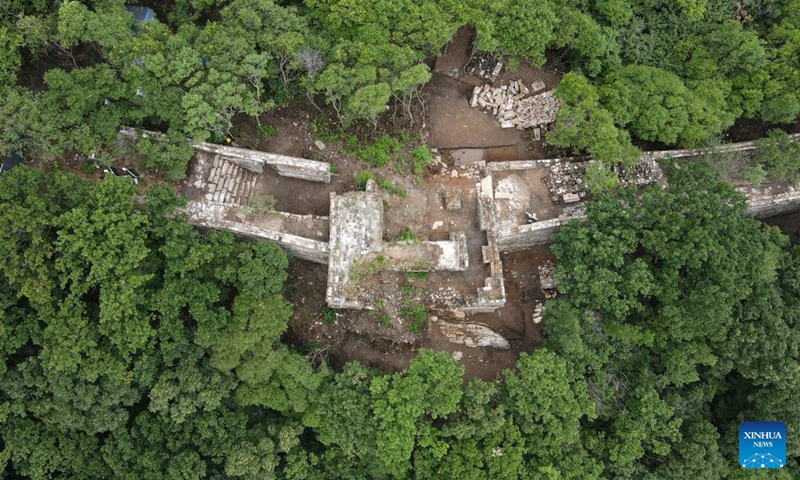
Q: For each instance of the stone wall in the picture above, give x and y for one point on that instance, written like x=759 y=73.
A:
x=222 y=217
x=525 y=236
x=423 y=256
x=493 y=293
x=528 y=164
x=254 y=161
x=653 y=155
x=356 y=231
x=731 y=147
x=765 y=202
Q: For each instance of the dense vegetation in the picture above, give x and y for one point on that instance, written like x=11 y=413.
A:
x=135 y=347
x=675 y=72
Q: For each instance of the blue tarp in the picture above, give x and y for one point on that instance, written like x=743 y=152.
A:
x=141 y=14
x=10 y=162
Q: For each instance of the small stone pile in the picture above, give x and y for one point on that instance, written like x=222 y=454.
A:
x=513 y=108
x=537 y=312
x=547 y=279
x=565 y=181
x=484 y=65
x=643 y=173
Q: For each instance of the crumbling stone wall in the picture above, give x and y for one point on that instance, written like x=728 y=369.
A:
x=493 y=293
x=356 y=231
x=423 y=256
x=526 y=236
x=765 y=202
x=218 y=216
x=254 y=161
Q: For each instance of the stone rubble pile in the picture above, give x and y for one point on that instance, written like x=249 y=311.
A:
x=514 y=108
x=483 y=65
x=565 y=182
x=537 y=312
x=643 y=173
x=547 y=279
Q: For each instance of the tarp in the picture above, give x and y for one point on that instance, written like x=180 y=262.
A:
x=142 y=14
x=10 y=162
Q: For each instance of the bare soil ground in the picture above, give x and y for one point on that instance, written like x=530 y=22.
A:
x=530 y=194
x=453 y=124
x=356 y=335
x=789 y=224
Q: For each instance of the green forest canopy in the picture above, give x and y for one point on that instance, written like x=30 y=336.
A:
x=71 y=72
x=136 y=347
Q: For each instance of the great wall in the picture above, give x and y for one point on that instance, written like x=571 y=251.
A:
x=482 y=222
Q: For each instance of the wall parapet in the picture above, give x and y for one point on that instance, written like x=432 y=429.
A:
x=254 y=160
x=217 y=216
x=286 y=166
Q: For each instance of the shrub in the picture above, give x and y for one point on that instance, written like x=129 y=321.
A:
x=420 y=156
x=383 y=319
x=328 y=315
x=362 y=178
x=417 y=315
x=267 y=131
x=409 y=292
x=406 y=235
x=262 y=204
x=378 y=153
x=389 y=187
x=417 y=275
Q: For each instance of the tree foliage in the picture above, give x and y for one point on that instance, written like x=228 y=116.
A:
x=118 y=337
x=671 y=303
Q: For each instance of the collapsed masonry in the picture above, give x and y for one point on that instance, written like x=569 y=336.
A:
x=482 y=64
x=225 y=179
x=251 y=160
x=357 y=250
x=514 y=108
x=565 y=180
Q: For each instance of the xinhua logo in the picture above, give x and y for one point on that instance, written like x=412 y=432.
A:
x=762 y=445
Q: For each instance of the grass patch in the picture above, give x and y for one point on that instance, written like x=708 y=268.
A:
x=409 y=292
x=262 y=203
x=259 y=205
x=417 y=275
x=406 y=235
x=382 y=316
x=391 y=188
x=416 y=314
x=365 y=269
x=384 y=320
x=362 y=178
x=420 y=157
x=267 y=131
x=360 y=270
x=328 y=315
x=378 y=153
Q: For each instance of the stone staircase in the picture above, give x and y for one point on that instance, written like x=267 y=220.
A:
x=225 y=182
